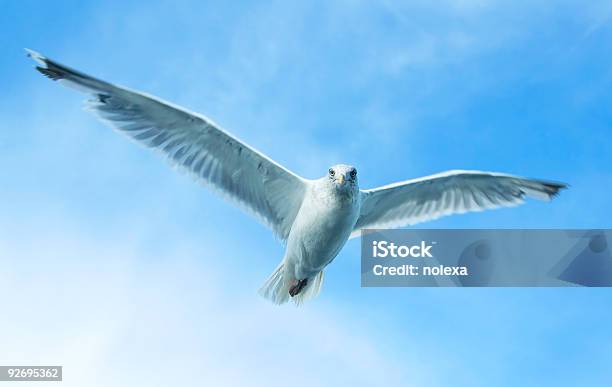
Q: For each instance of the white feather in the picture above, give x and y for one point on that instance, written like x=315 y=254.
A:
x=194 y=144
x=453 y=192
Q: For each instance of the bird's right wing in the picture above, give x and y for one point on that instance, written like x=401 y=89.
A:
x=195 y=144
x=413 y=201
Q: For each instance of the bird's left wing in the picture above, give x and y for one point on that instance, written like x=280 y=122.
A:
x=195 y=144
x=413 y=201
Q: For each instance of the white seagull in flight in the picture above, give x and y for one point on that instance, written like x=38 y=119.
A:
x=314 y=218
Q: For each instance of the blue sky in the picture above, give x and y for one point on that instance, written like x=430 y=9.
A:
x=128 y=273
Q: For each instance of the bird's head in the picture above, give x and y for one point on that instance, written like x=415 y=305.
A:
x=343 y=177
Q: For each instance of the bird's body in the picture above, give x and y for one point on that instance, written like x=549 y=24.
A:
x=318 y=234
x=314 y=217
x=324 y=223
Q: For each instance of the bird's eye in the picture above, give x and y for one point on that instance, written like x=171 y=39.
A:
x=331 y=172
x=353 y=173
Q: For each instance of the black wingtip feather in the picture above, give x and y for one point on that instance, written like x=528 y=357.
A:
x=47 y=67
x=50 y=73
x=553 y=189
x=57 y=71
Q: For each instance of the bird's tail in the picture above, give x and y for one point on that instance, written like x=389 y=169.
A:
x=276 y=287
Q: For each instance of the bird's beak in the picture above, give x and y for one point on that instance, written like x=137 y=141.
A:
x=341 y=179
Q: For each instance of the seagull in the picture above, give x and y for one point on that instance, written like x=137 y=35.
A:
x=313 y=218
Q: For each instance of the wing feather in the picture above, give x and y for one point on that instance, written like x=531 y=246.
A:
x=194 y=144
x=414 y=201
